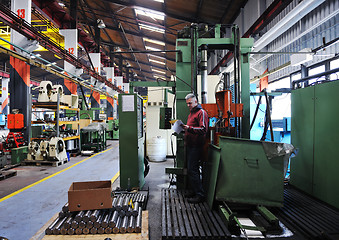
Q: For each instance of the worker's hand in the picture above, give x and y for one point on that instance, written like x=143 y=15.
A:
x=185 y=127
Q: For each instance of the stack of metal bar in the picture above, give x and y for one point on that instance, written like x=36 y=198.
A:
x=124 y=217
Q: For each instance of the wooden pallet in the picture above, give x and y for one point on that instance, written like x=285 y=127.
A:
x=144 y=235
x=43 y=163
x=183 y=220
x=7 y=174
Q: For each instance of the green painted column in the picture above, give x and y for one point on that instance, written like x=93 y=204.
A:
x=245 y=47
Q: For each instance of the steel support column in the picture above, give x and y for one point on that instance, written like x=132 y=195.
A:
x=95 y=97
x=109 y=101
x=71 y=44
x=20 y=97
x=4 y=96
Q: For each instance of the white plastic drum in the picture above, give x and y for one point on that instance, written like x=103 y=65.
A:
x=156 y=149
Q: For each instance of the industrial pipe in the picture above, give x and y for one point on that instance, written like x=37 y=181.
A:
x=138 y=222
x=108 y=230
x=58 y=226
x=79 y=216
x=85 y=231
x=204 y=74
x=70 y=231
x=94 y=215
x=89 y=224
x=114 y=219
x=106 y=219
x=87 y=216
x=49 y=230
x=123 y=226
x=117 y=225
x=131 y=224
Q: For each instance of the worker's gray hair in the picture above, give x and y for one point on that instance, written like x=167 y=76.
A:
x=191 y=95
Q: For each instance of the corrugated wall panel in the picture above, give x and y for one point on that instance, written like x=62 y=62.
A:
x=328 y=30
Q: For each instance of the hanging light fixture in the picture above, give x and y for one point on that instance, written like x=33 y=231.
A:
x=101 y=23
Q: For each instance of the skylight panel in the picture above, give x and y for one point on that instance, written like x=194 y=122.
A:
x=151 y=28
x=155 y=61
x=154 y=41
x=150 y=13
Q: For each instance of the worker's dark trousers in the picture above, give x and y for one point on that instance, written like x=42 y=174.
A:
x=194 y=154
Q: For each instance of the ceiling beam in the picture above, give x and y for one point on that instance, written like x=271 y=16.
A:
x=227 y=7
x=155 y=53
x=150 y=65
x=129 y=32
x=168 y=14
x=199 y=9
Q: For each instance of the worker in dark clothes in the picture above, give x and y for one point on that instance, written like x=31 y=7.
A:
x=195 y=137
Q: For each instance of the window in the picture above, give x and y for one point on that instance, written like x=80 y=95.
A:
x=333 y=65
x=314 y=71
x=281 y=105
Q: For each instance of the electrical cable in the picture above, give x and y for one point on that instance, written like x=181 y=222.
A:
x=255 y=113
x=175 y=162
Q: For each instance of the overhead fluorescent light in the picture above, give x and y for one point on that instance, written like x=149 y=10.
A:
x=158 y=71
x=152 y=48
x=157 y=76
x=159 y=1
x=156 y=56
x=151 y=28
x=149 y=13
x=154 y=41
x=155 y=61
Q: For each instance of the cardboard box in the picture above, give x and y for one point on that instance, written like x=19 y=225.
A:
x=90 y=195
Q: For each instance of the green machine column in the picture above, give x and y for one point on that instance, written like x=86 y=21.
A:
x=183 y=87
x=131 y=141
x=245 y=48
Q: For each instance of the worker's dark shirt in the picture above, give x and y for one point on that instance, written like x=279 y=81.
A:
x=195 y=135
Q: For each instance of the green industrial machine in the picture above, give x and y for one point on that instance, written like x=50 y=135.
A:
x=109 y=132
x=189 y=43
x=92 y=113
x=131 y=141
x=165 y=118
x=315 y=133
x=93 y=137
x=115 y=129
x=18 y=154
x=252 y=172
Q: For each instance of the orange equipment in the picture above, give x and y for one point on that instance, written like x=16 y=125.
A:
x=224 y=109
x=15 y=121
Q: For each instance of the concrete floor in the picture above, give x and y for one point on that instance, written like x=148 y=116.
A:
x=30 y=199
x=34 y=202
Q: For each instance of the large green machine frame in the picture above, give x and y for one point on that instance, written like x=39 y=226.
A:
x=186 y=80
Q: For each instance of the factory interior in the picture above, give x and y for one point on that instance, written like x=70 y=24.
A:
x=169 y=119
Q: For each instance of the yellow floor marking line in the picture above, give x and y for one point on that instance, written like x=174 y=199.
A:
x=115 y=177
x=54 y=174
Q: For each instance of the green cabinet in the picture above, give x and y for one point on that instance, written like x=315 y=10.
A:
x=315 y=133
x=131 y=141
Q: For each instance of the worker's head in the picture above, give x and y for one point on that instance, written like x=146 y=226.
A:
x=191 y=101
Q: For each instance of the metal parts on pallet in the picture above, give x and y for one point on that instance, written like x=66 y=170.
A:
x=125 y=216
x=47 y=150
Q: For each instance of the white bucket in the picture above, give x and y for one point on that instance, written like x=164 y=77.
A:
x=156 y=149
